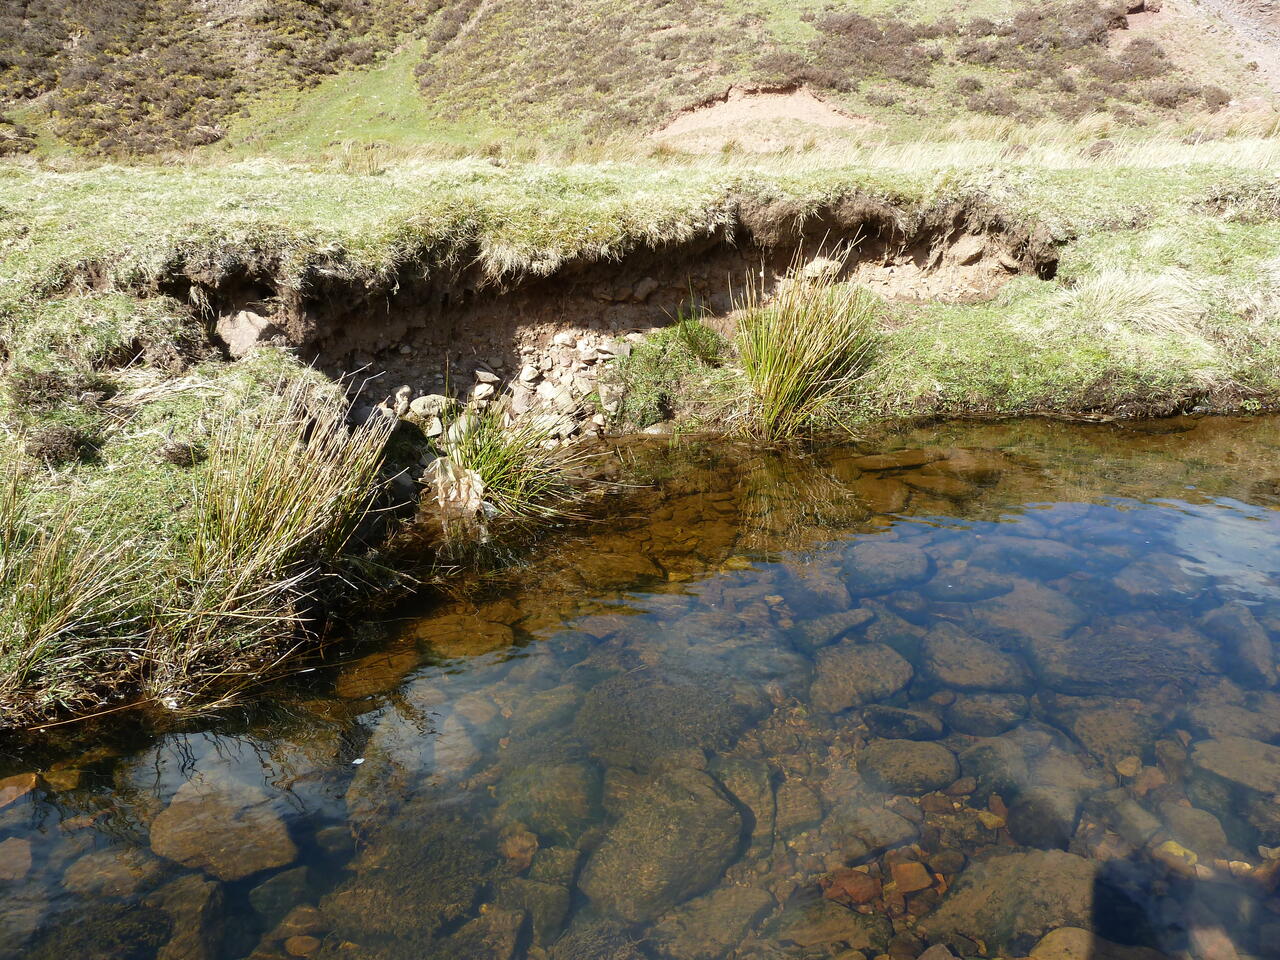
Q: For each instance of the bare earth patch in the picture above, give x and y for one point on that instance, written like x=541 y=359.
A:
x=759 y=121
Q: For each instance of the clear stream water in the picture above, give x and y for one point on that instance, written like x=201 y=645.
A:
x=995 y=689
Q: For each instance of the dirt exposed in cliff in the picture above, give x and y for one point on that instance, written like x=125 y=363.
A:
x=430 y=323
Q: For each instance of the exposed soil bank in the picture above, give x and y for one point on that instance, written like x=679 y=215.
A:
x=430 y=320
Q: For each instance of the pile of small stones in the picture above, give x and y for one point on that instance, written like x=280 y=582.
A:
x=553 y=386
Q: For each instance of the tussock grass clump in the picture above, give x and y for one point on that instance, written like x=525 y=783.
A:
x=805 y=353
x=71 y=606
x=265 y=542
x=1130 y=313
x=275 y=509
x=498 y=465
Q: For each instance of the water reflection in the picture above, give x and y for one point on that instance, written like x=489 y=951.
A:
x=994 y=690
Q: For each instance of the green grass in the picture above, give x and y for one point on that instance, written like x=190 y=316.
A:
x=495 y=465
x=98 y=604
x=662 y=373
x=71 y=607
x=379 y=107
x=805 y=352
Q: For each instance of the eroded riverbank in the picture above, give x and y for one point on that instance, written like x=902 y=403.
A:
x=985 y=684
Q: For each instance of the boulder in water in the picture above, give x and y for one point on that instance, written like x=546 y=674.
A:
x=908 y=767
x=673 y=841
x=1010 y=901
x=850 y=674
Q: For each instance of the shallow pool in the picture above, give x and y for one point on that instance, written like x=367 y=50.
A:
x=993 y=690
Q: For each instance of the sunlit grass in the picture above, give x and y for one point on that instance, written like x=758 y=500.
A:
x=267 y=542
x=804 y=353
x=495 y=465
x=72 y=606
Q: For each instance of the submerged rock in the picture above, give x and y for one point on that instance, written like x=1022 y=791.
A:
x=1010 y=901
x=893 y=723
x=1197 y=830
x=229 y=829
x=1027 y=615
x=712 y=925
x=812 y=923
x=118 y=872
x=17 y=787
x=880 y=565
x=634 y=719
x=986 y=714
x=1123 y=656
x=558 y=801
x=820 y=631
x=1027 y=758
x=1031 y=556
x=1245 y=646
x=908 y=766
x=897 y=460
x=1242 y=762
x=1216 y=720
x=749 y=782
x=1076 y=943
x=965 y=584
x=861 y=826
x=196 y=908
x=274 y=898
x=1238 y=780
x=547 y=905
x=674 y=839
x=597 y=940
x=850 y=674
x=963 y=662
x=435 y=865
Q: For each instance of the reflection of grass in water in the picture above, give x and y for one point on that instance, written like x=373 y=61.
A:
x=783 y=498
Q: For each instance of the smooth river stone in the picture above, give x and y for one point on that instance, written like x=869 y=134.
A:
x=1246 y=648
x=986 y=714
x=1247 y=763
x=882 y=494
x=911 y=767
x=950 y=488
x=961 y=661
x=673 y=841
x=898 y=460
x=879 y=566
x=227 y=829
x=1009 y=902
x=850 y=674
x=894 y=723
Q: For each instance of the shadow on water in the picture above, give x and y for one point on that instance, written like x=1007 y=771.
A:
x=995 y=690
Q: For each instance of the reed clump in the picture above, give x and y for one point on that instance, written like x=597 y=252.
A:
x=71 y=607
x=275 y=510
x=494 y=464
x=805 y=353
x=270 y=540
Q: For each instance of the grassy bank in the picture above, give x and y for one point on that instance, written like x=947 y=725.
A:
x=125 y=433
x=175 y=571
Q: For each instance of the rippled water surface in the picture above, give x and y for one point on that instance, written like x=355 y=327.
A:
x=994 y=690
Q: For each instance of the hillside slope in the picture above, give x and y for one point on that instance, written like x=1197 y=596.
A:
x=293 y=77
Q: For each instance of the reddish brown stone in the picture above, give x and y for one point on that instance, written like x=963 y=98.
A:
x=936 y=803
x=962 y=787
x=518 y=847
x=911 y=876
x=850 y=887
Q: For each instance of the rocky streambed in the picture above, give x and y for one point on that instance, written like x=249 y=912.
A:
x=984 y=691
